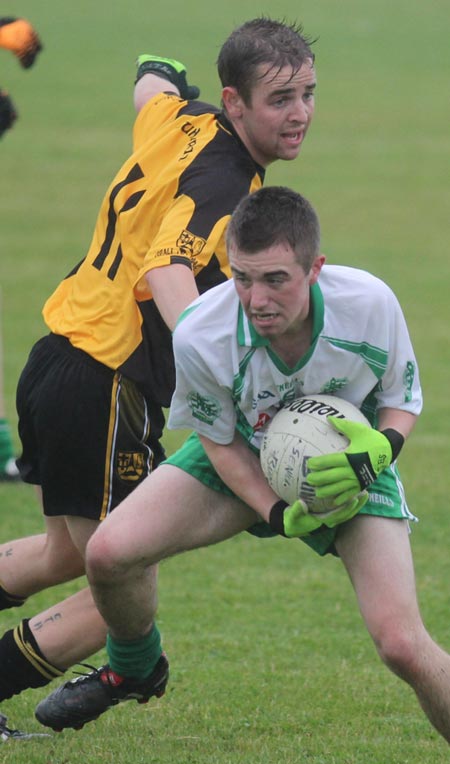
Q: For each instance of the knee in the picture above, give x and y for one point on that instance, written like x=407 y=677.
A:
x=103 y=557
x=60 y=556
x=400 y=647
x=62 y=559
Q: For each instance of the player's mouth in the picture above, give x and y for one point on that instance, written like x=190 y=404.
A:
x=264 y=319
x=292 y=138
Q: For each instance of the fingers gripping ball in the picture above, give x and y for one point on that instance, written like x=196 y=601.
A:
x=296 y=521
x=368 y=453
x=171 y=70
x=297 y=432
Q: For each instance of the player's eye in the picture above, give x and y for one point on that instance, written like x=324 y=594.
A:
x=241 y=278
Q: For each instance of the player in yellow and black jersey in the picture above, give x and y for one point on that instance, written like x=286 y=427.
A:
x=91 y=395
x=168 y=205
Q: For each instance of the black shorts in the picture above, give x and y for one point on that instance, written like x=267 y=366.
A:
x=89 y=436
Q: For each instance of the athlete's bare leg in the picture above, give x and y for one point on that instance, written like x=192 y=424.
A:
x=170 y=512
x=71 y=631
x=33 y=563
x=377 y=554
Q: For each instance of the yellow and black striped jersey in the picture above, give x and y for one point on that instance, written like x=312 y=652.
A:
x=169 y=203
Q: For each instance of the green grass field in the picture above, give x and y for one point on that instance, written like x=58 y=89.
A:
x=270 y=659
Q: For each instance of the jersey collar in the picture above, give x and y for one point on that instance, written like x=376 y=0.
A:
x=226 y=124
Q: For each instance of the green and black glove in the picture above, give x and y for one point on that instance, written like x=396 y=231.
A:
x=342 y=475
x=295 y=520
x=171 y=70
x=8 y=114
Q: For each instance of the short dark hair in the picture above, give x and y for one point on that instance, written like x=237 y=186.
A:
x=276 y=215
x=261 y=41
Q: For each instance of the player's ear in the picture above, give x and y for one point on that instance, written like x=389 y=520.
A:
x=316 y=268
x=232 y=102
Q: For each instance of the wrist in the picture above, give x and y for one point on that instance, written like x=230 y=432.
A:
x=167 y=68
x=396 y=441
x=149 y=67
x=276 y=514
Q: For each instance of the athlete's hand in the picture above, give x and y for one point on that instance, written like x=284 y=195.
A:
x=18 y=36
x=294 y=520
x=8 y=114
x=342 y=475
x=171 y=70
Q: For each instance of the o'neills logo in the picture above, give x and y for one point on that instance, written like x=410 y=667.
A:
x=311 y=406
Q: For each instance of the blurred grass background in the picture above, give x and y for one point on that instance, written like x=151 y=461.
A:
x=270 y=661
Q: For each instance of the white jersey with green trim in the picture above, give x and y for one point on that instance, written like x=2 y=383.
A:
x=228 y=376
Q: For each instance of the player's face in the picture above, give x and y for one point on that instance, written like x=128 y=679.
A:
x=274 y=289
x=274 y=124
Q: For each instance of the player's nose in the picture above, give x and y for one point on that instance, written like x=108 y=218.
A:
x=299 y=112
x=258 y=296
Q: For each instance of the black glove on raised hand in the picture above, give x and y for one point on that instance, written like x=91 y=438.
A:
x=172 y=70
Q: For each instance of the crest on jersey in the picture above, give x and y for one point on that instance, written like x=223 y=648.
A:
x=206 y=408
x=334 y=384
x=130 y=465
x=189 y=244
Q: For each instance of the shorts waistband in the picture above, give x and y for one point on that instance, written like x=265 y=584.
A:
x=63 y=345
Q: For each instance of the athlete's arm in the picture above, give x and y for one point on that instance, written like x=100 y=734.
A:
x=240 y=470
x=169 y=69
x=150 y=85
x=173 y=288
x=395 y=419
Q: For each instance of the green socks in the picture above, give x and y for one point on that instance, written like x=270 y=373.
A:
x=137 y=658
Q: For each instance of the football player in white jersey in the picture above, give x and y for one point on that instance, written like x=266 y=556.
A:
x=286 y=325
